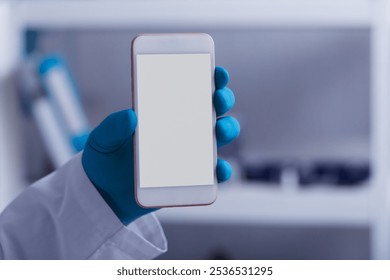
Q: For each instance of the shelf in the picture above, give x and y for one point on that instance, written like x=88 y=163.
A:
x=254 y=204
x=194 y=13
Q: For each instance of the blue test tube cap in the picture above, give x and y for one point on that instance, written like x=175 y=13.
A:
x=49 y=63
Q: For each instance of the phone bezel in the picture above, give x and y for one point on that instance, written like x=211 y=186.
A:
x=172 y=43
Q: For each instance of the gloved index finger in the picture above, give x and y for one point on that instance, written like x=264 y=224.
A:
x=221 y=77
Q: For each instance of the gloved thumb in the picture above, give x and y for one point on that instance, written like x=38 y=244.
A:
x=113 y=131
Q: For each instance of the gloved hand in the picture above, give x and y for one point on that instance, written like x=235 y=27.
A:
x=108 y=153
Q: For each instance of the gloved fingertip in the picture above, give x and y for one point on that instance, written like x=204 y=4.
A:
x=223 y=100
x=221 y=77
x=227 y=129
x=113 y=131
x=224 y=170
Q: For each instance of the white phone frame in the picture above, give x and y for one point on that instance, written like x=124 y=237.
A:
x=172 y=43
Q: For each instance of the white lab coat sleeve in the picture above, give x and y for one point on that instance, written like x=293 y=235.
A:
x=62 y=216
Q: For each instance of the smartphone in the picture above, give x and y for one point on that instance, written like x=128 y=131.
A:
x=175 y=146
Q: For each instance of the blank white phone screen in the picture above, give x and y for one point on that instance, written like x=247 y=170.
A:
x=175 y=121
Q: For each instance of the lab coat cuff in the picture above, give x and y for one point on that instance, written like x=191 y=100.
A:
x=142 y=239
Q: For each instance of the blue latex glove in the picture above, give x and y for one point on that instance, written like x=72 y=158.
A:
x=108 y=153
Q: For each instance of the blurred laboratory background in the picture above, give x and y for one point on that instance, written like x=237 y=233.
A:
x=310 y=79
